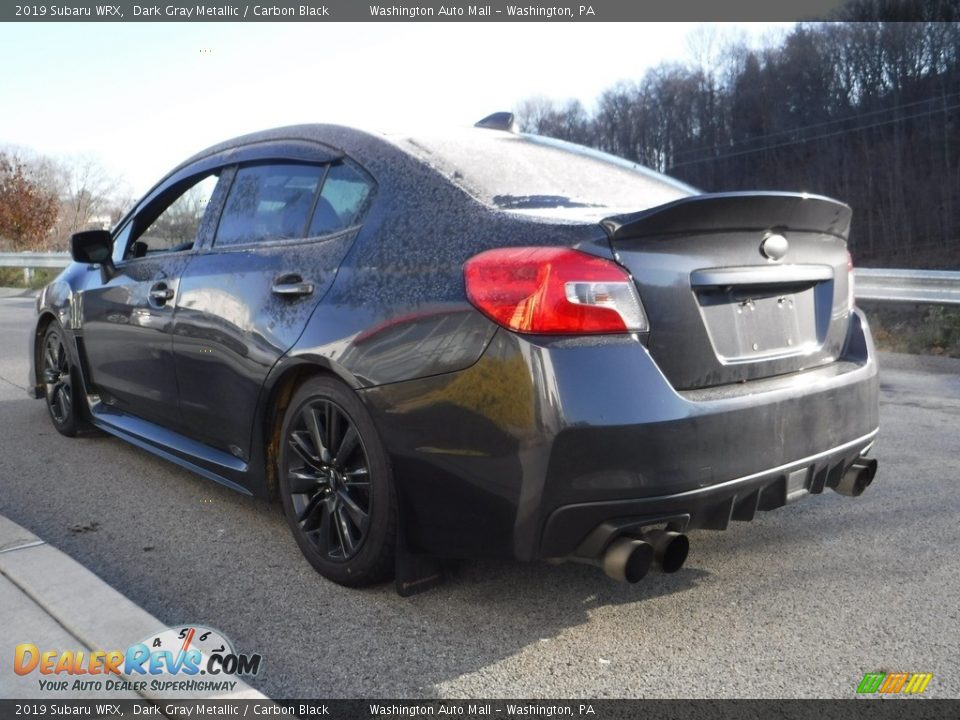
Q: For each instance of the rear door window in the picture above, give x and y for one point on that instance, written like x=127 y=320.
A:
x=269 y=202
x=342 y=201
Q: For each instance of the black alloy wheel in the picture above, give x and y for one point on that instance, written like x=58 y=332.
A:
x=335 y=484
x=57 y=375
x=331 y=487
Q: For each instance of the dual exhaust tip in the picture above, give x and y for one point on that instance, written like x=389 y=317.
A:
x=857 y=478
x=629 y=559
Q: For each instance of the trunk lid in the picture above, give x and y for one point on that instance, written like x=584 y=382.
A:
x=739 y=286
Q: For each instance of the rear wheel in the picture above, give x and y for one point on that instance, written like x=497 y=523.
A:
x=57 y=374
x=336 y=485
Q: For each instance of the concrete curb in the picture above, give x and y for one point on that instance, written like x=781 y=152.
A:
x=84 y=605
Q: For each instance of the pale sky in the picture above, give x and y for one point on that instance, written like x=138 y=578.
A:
x=141 y=97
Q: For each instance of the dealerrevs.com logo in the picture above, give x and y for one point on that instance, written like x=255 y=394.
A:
x=190 y=659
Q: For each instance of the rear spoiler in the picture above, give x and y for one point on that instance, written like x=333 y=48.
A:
x=735 y=211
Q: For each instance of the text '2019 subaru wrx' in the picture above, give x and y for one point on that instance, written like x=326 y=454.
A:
x=469 y=344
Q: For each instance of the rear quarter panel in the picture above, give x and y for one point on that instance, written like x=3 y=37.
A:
x=398 y=308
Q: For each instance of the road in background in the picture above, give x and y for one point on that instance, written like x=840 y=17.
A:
x=801 y=602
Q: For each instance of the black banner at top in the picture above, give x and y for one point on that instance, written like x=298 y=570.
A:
x=423 y=11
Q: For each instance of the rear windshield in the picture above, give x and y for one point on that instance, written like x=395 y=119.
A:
x=528 y=173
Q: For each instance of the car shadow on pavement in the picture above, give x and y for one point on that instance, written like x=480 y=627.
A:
x=190 y=551
x=484 y=612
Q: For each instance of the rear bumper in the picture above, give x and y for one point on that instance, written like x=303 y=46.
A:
x=585 y=529
x=542 y=441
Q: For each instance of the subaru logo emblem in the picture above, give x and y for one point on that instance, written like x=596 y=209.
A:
x=774 y=247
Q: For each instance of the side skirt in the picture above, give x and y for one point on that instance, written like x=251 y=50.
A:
x=208 y=462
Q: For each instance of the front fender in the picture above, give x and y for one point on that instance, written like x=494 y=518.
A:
x=55 y=303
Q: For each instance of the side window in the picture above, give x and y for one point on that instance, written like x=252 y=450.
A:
x=176 y=225
x=342 y=200
x=269 y=202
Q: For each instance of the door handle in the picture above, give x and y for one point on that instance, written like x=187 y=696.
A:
x=160 y=293
x=291 y=286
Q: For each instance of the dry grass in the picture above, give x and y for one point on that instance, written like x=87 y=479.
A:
x=916 y=329
x=13 y=277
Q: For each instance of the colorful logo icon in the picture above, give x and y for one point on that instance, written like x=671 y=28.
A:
x=893 y=683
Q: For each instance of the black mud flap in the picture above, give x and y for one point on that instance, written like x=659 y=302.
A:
x=414 y=572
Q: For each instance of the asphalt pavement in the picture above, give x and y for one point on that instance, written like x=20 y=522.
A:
x=799 y=603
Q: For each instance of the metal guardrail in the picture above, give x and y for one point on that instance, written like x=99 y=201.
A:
x=35 y=259
x=941 y=287
x=30 y=260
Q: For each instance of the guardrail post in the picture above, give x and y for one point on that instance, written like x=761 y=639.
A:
x=27 y=276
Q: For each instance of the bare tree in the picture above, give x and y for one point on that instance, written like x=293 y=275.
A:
x=88 y=195
x=85 y=195
x=866 y=111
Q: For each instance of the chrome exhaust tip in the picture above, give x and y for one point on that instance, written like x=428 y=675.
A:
x=857 y=478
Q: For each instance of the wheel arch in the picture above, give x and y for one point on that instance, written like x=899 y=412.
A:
x=46 y=318
x=280 y=388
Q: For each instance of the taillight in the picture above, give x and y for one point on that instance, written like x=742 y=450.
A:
x=554 y=291
x=850 y=297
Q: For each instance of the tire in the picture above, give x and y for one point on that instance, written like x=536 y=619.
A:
x=336 y=484
x=60 y=380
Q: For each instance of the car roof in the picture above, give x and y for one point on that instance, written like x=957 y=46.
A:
x=468 y=158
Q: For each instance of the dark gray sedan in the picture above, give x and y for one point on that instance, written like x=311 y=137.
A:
x=467 y=344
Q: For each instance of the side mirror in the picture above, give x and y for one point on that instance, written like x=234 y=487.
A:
x=94 y=247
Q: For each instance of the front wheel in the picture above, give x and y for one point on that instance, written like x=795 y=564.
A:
x=58 y=376
x=336 y=484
